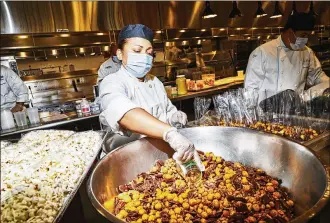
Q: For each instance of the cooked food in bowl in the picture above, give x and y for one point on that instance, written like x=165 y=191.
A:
x=228 y=192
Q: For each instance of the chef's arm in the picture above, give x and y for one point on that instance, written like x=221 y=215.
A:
x=120 y=113
x=139 y=121
x=254 y=71
x=16 y=85
x=317 y=80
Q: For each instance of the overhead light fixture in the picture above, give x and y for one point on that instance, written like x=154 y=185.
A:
x=294 y=8
x=260 y=11
x=203 y=30
x=182 y=31
x=159 y=31
x=176 y=38
x=100 y=34
x=64 y=35
x=277 y=11
x=208 y=12
x=222 y=29
x=311 y=9
x=235 y=12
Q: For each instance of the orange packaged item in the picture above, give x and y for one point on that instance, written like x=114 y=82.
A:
x=208 y=79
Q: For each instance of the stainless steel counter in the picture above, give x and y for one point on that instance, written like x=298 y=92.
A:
x=72 y=117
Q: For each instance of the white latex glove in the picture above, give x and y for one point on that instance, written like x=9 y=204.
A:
x=179 y=119
x=185 y=150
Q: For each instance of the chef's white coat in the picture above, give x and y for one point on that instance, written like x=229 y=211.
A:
x=110 y=66
x=13 y=89
x=275 y=68
x=122 y=92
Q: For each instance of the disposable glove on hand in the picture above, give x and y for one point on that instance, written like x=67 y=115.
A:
x=178 y=119
x=185 y=150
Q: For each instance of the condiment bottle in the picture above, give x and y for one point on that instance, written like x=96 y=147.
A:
x=85 y=108
x=181 y=84
x=78 y=107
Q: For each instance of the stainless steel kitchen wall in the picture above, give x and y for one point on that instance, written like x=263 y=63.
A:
x=76 y=16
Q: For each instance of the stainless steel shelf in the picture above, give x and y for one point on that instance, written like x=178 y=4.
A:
x=72 y=117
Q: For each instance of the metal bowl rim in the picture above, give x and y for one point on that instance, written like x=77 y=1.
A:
x=310 y=213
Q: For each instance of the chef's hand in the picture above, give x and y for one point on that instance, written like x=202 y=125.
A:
x=185 y=149
x=18 y=107
x=179 y=119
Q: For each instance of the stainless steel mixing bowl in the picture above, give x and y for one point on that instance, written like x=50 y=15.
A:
x=301 y=171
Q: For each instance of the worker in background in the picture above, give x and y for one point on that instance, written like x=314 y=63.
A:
x=14 y=92
x=286 y=64
x=135 y=103
x=109 y=66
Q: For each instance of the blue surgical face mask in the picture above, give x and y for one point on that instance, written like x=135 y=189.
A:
x=299 y=44
x=138 y=64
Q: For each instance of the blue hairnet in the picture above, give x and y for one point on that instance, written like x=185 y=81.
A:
x=136 y=30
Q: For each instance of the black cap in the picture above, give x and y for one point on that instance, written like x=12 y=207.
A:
x=136 y=30
x=300 y=21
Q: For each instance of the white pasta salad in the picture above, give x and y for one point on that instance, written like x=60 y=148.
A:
x=39 y=172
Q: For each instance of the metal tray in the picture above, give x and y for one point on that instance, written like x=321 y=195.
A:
x=70 y=197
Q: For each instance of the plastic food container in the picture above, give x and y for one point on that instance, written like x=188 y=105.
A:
x=20 y=118
x=33 y=115
x=7 y=120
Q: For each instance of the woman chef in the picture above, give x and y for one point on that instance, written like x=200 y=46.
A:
x=134 y=101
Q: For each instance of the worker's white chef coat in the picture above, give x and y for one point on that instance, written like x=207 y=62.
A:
x=122 y=92
x=13 y=89
x=275 y=68
x=110 y=66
